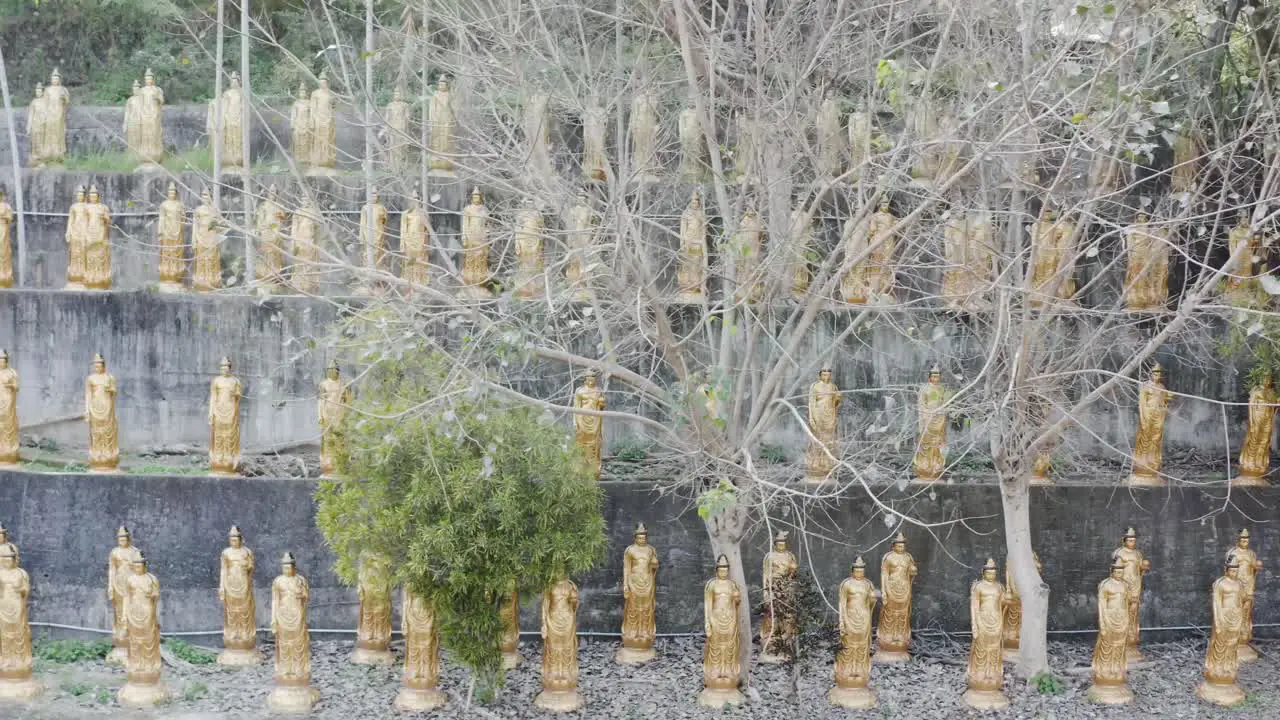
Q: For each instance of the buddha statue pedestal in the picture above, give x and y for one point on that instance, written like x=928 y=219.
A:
x=1110 y=694
x=985 y=699
x=139 y=694
x=1224 y=694
x=859 y=698
x=417 y=700
x=20 y=690
x=292 y=699
x=718 y=697
x=558 y=701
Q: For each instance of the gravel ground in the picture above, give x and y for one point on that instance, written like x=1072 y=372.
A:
x=927 y=687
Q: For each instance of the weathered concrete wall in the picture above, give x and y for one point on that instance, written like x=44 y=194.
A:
x=65 y=525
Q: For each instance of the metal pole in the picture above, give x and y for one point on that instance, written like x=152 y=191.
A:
x=245 y=125
x=216 y=141
x=17 y=172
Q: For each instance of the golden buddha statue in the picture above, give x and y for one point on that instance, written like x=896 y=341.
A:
x=578 y=260
x=48 y=132
x=897 y=573
x=931 y=408
x=6 y=242
x=1153 y=407
x=132 y=118
x=859 y=141
x=830 y=138
x=225 y=392
x=537 y=133
x=5 y=542
x=1221 y=661
x=1242 y=241
x=691 y=272
x=171 y=217
x=778 y=619
x=1135 y=566
x=290 y=594
x=206 y=245
x=1110 y=668
x=871 y=279
x=97 y=243
x=1053 y=259
x=748 y=257
x=233 y=119
x=119 y=566
x=509 y=611
x=75 y=237
x=415 y=243
x=1146 y=281
x=143 y=687
x=37 y=119
x=150 y=125
x=300 y=127
x=475 y=248
x=419 y=693
x=589 y=429
x=397 y=114
x=985 y=675
x=693 y=146
x=595 y=164
x=100 y=413
x=373 y=633
x=1255 y=451
x=306 y=249
x=16 y=682
x=802 y=230
x=824 y=406
x=269 y=225
x=324 y=130
x=1186 y=159
x=970 y=258
x=745 y=163
x=639 y=590
x=444 y=123
x=1247 y=574
x=644 y=136
x=10 y=448
x=529 y=261
x=1012 y=641
x=334 y=399
x=239 y=613
x=373 y=234
x=853 y=660
x=560 y=649
x=721 y=665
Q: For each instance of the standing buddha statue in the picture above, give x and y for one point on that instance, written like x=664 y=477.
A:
x=985 y=675
x=6 y=242
x=150 y=125
x=1012 y=642
x=398 y=139
x=1242 y=242
x=415 y=243
x=1250 y=566
x=595 y=164
x=1110 y=668
x=225 y=391
x=853 y=660
x=37 y=122
x=871 y=279
x=334 y=399
x=589 y=429
x=269 y=226
x=529 y=261
x=778 y=619
x=306 y=249
x=373 y=633
x=443 y=124
x=373 y=232
x=831 y=139
x=206 y=245
x=97 y=242
x=16 y=682
x=1186 y=160
x=418 y=692
x=1146 y=280
x=75 y=237
x=172 y=216
x=1255 y=451
x=578 y=263
x=748 y=257
x=324 y=130
x=119 y=562
x=290 y=594
x=10 y=448
x=693 y=146
x=233 y=119
x=1221 y=660
x=509 y=611
x=639 y=591
x=971 y=260
x=143 y=686
x=100 y=414
x=475 y=248
x=721 y=668
x=859 y=141
x=1053 y=259
x=932 y=411
x=239 y=613
x=691 y=272
x=133 y=119
x=1135 y=566
x=801 y=244
x=300 y=127
x=644 y=136
x=537 y=133
x=824 y=445
x=560 y=649
x=1153 y=407
x=897 y=573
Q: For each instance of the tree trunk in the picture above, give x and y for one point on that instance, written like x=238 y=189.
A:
x=1034 y=593
x=725 y=530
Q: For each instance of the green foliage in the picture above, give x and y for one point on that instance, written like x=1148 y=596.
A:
x=631 y=450
x=713 y=501
x=184 y=650
x=195 y=691
x=69 y=651
x=464 y=494
x=773 y=454
x=1046 y=683
x=74 y=689
x=103 y=697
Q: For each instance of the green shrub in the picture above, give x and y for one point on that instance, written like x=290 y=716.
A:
x=1046 y=683
x=184 y=650
x=69 y=651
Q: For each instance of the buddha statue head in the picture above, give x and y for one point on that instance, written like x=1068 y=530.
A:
x=224 y=366
x=123 y=538
x=722 y=568
x=859 y=569
x=641 y=535
x=780 y=541
x=234 y=537
x=288 y=566
x=989 y=570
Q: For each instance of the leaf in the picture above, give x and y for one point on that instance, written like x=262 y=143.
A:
x=1082 y=10
x=1078 y=118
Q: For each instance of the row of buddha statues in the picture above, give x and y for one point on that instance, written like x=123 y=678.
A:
x=995 y=616
x=969 y=273
x=225 y=393
x=822 y=456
